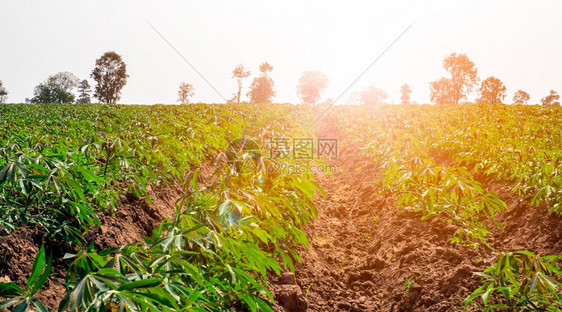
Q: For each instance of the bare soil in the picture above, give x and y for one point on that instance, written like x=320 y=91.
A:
x=366 y=256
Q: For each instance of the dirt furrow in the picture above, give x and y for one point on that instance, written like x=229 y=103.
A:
x=365 y=256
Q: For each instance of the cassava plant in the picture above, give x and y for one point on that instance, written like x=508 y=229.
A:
x=520 y=281
x=22 y=299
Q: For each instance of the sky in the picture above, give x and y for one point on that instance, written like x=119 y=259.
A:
x=517 y=41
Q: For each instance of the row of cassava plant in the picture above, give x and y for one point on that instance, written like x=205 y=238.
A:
x=520 y=281
x=516 y=144
x=425 y=149
x=420 y=182
x=62 y=165
x=228 y=231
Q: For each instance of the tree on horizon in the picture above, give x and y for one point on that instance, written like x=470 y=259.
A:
x=56 y=89
x=311 y=85
x=110 y=74
x=84 y=91
x=3 y=93
x=185 y=91
x=405 y=94
x=521 y=97
x=372 y=95
x=464 y=76
x=261 y=89
x=492 y=91
x=551 y=99
x=240 y=73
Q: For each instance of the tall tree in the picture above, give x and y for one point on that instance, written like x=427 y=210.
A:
x=311 y=85
x=441 y=91
x=405 y=94
x=84 y=92
x=492 y=91
x=185 y=91
x=56 y=89
x=551 y=99
x=3 y=93
x=261 y=89
x=521 y=97
x=240 y=73
x=110 y=74
x=354 y=98
x=372 y=95
x=66 y=81
x=464 y=76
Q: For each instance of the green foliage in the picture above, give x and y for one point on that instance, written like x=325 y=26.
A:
x=84 y=92
x=45 y=93
x=56 y=89
x=110 y=74
x=261 y=89
x=228 y=231
x=450 y=193
x=22 y=299
x=408 y=284
x=438 y=159
x=3 y=93
x=60 y=165
x=522 y=281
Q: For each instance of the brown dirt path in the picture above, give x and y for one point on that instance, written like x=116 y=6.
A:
x=365 y=256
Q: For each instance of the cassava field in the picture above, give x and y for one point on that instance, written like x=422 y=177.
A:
x=280 y=208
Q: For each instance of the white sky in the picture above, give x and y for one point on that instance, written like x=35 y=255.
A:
x=517 y=41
